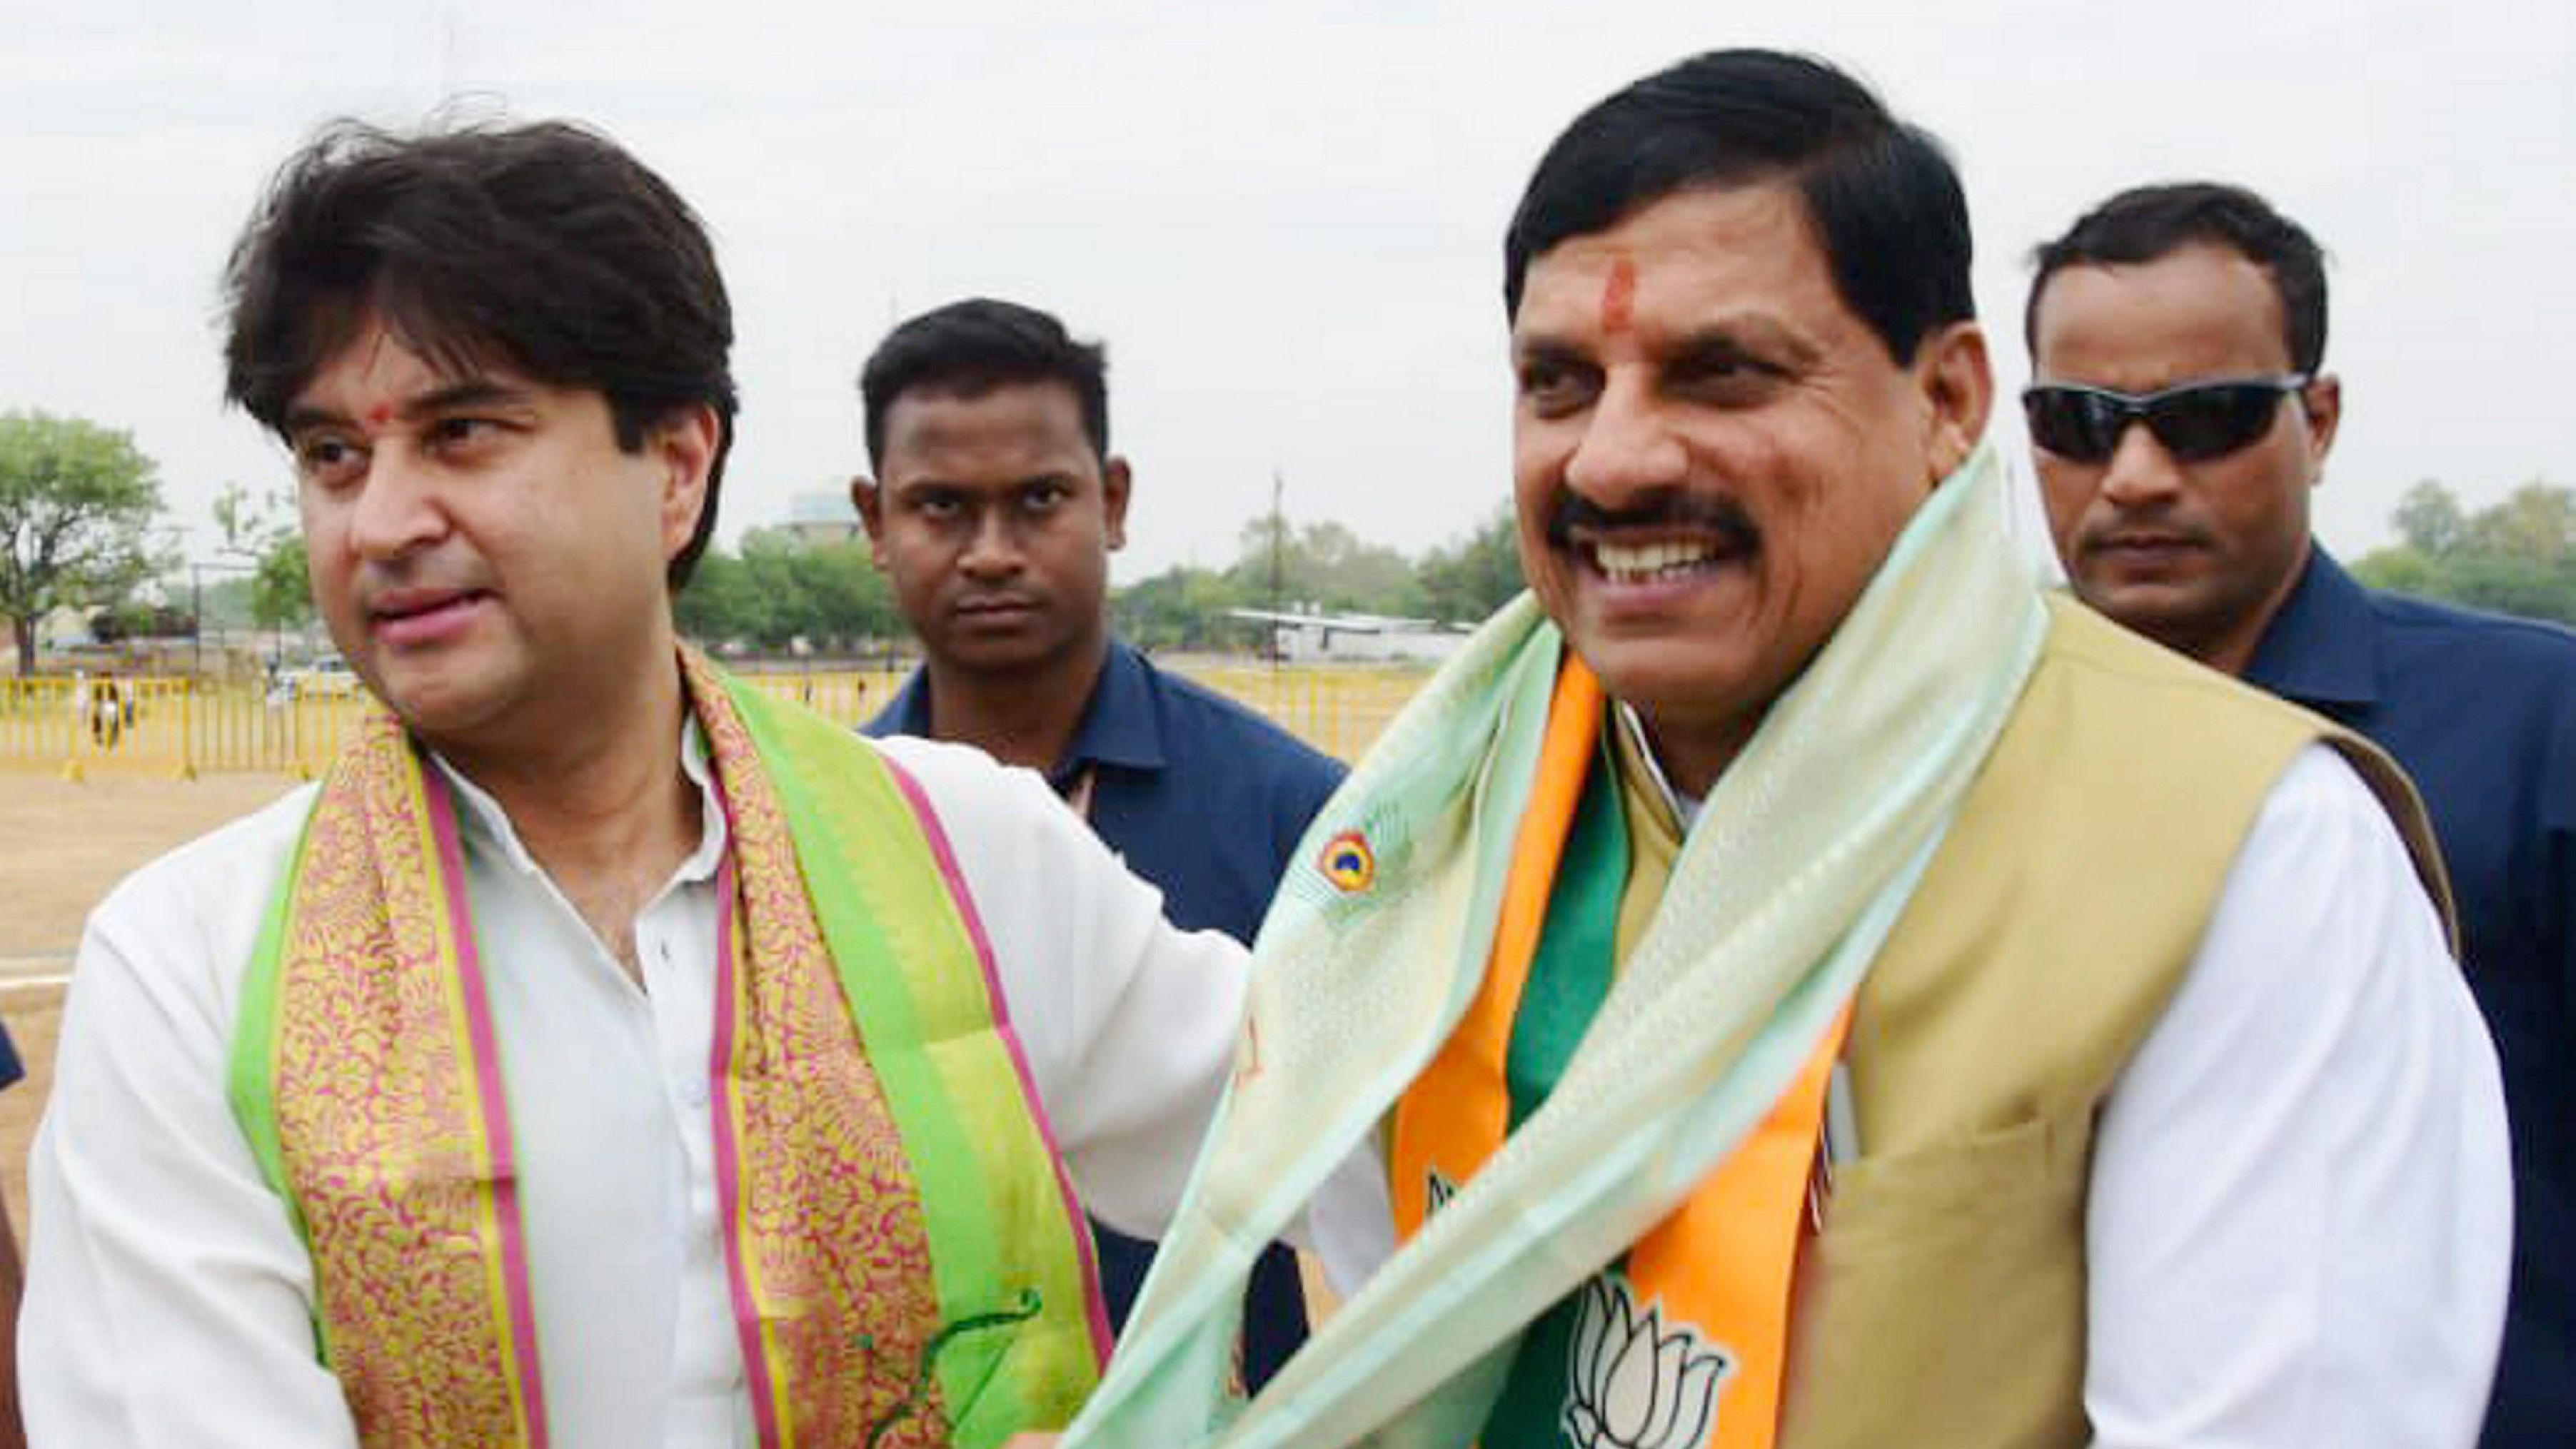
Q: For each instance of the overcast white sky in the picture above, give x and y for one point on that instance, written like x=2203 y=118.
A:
x=1286 y=220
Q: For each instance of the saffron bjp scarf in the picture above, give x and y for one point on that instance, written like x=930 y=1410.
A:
x=907 y=1263
x=1799 y=863
x=1682 y=1343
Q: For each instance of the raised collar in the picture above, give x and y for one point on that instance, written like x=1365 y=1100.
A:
x=1635 y=754
x=2322 y=646
x=1119 y=725
x=480 y=815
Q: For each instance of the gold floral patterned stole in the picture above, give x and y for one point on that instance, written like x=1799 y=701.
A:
x=907 y=1263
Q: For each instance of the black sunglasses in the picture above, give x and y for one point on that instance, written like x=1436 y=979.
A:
x=2195 y=422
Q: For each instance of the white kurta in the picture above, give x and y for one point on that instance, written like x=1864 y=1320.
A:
x=2301 y=1223
x=169 y=1299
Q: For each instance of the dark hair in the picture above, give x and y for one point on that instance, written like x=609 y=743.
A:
x=2145 y=223
x=970 y=348
x=1882 y=195
x=544 y=247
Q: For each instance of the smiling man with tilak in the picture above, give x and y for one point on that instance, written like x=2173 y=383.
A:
x=1813 y=987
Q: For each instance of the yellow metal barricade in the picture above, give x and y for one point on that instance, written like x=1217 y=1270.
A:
x=38 y=721
x=175 y=728
x=846 y=696
x=92 y=724
x=1339 y=710
x=169 y=727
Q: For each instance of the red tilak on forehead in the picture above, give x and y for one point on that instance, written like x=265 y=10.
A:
x=1619 y=296
x=380 y=414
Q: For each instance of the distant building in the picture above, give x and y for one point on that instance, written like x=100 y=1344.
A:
x=823 y=517
x=65 y=627
x=1314 y=637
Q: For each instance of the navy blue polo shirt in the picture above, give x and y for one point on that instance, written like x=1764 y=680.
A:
x=2481 y=710
x=1207 y=800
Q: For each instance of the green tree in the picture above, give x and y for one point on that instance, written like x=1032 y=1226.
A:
x=718 y=605
x=2516 y=557
x=1327 y=565
x=836 y=600
x=2535 y=522
x=1471 y=578
x=281 y=589
x=281 y=594
x=224 y=604
x=2430 y=520
x=2509 y=585
x=77 y=502
x=1183 y=608
x=783 y=588
x=2404 y=569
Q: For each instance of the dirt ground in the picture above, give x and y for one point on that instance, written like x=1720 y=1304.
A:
x=62 y=846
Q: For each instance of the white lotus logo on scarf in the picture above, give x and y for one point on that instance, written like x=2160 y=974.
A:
x=1630 y=1384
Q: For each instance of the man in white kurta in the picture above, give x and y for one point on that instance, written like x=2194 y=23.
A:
x=172 y=1299
x=499 y=357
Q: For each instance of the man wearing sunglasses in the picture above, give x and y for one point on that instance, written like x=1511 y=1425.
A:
x=2180 y=416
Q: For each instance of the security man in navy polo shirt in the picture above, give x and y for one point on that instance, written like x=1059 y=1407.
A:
x=994 y=507
x=2199 y=313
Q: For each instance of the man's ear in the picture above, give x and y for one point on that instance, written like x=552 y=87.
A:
x=685 y=442
x=1958 y=383
x=2321 y=410
x=869 y=500
x=1115 y=483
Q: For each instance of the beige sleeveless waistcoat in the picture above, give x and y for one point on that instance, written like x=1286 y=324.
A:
x=1944 y=1302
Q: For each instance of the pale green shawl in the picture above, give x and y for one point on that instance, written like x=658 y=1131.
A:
x=1799 y=862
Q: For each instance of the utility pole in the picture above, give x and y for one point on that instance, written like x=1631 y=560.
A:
x=1278 y=559
x=197 y=569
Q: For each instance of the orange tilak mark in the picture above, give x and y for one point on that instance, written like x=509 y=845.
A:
x=1619 y=296
x=380 y=414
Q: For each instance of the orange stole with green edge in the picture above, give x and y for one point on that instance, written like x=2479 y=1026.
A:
x=906 y=1262
x=1683 y=1343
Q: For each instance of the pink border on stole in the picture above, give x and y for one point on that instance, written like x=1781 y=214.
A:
x=1095 y=1304
x=757 y=1371
x=494 y=1108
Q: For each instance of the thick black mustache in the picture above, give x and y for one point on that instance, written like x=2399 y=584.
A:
x=1722 y=516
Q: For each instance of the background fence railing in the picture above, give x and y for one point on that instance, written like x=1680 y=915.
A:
x=176 y=728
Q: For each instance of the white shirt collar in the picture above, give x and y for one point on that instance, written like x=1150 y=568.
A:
x=482 y=818
x=1685 y=808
